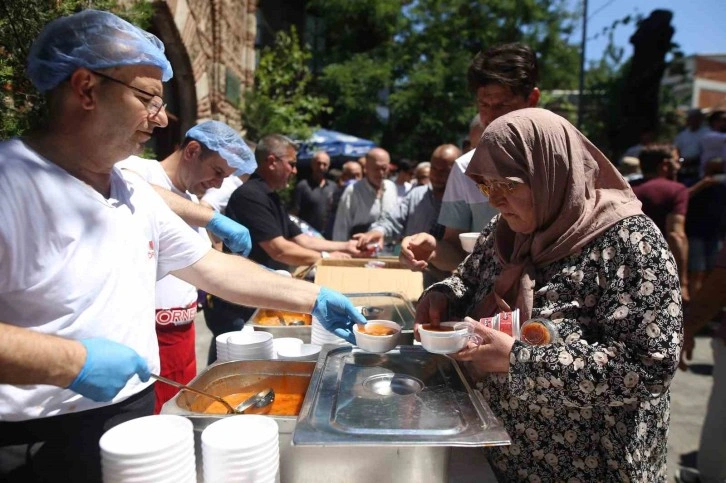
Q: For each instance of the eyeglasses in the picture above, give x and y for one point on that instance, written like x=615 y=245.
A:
x=488 y=187
x=154 y=105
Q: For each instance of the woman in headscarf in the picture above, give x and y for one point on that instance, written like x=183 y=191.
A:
x=571 y=245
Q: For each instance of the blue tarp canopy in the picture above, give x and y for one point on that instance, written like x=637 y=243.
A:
x=335 y=144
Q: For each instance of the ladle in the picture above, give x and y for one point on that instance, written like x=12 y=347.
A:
x=230 y=409
x=259 y=400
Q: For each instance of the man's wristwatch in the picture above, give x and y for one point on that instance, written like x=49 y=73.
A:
x=325 y=254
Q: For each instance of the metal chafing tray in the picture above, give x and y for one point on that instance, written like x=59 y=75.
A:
x=405 y=397
x=376 y=305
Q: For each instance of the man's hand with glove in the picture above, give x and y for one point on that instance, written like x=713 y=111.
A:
x=108 y=367
x=337 y=314
x=235 y=236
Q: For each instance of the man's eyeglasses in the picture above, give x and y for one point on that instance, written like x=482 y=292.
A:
x=487 y=187
x=154 y=105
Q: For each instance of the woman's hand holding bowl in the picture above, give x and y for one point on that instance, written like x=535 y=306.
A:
x=432 y=309
x=492 y=355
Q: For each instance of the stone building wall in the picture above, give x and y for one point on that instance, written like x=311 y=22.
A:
x=218 y=38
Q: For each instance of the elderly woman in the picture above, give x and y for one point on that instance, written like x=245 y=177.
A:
x=571 y=245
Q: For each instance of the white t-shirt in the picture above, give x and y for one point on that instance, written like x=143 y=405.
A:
x=464 y=207
x=78 y=265
x=218 y=198
x=171 y=292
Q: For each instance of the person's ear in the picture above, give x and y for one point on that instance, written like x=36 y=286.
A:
x=83 y=85
x=193 y=150
x=533 y=98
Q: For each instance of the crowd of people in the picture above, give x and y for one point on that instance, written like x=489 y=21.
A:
x=102 y=255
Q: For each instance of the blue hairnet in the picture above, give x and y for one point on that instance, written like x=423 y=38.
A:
x=225 y=141
x=95 y=40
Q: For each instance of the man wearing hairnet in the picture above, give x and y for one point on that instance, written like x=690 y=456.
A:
x=210 y=152
x=81 y=249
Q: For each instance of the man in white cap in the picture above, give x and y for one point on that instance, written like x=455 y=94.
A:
x=210 y=152
x=81 y=249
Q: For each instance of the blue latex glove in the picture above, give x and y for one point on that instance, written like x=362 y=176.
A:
x=337 y=314
x=235 y=236
x=109 y=365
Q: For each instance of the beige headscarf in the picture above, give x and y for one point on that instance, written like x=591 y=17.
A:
x=577 y=195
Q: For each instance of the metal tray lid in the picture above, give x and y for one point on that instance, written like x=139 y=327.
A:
x=405 y=397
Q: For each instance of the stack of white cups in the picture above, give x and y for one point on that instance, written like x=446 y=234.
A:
x=153 y=449
x=319 y=335
x=241 y=449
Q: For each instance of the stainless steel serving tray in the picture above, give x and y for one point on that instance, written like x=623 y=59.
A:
x=405 y=397
x=376 y=305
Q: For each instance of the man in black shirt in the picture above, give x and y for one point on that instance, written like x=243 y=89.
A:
x=313 y=197
x=276 y=241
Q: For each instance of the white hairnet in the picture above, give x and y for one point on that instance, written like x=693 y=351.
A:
x=227 y=142
x=95 y=40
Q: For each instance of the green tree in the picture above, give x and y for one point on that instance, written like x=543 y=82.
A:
x=22 y=107
x=280 y=101
x=406 y=84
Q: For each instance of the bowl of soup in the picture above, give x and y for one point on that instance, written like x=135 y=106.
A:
x=377 y=335
x=445 y=338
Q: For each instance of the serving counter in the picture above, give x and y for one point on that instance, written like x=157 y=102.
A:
x=364 y=417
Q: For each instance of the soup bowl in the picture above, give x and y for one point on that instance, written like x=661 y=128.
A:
x=448 y=337
x=377 y=335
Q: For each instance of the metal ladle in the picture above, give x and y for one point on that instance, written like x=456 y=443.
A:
x=268 y=395
x=259 y=400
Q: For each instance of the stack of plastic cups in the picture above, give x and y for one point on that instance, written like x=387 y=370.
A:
x=320 y=336
x=151 y=449
x=241 y=449
x=251 y=346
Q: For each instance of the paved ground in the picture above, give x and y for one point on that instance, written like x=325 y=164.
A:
x=690 y=392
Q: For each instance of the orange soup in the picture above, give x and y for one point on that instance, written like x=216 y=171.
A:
x=289 y=396
x=374 y=329
x=439 y=328
x=280 y=317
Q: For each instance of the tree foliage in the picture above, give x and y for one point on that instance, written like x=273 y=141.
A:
x=22 y=106
x=280 y=102
x=405 y=86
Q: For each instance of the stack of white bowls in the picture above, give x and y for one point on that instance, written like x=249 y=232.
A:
x=153 y=449
x=285 y=344
x=221 y=343
x=241 y=449
x=320 y=336
x=302 y=352
x=250 y=346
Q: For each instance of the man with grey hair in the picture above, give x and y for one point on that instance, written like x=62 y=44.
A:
x=277 y=242
x=81 y=248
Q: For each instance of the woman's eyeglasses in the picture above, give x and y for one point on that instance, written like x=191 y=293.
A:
x=488 y=187
x=154 y=105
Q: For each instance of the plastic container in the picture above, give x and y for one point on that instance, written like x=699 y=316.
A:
x=536 y=331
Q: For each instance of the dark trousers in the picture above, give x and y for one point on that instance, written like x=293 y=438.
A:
x=64 y=448
x=222 y=316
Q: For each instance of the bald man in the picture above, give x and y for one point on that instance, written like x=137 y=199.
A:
x=367 y=200
x=419 y=209
x=313 y=197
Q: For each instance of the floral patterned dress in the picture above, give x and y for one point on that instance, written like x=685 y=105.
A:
x=594 y=405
